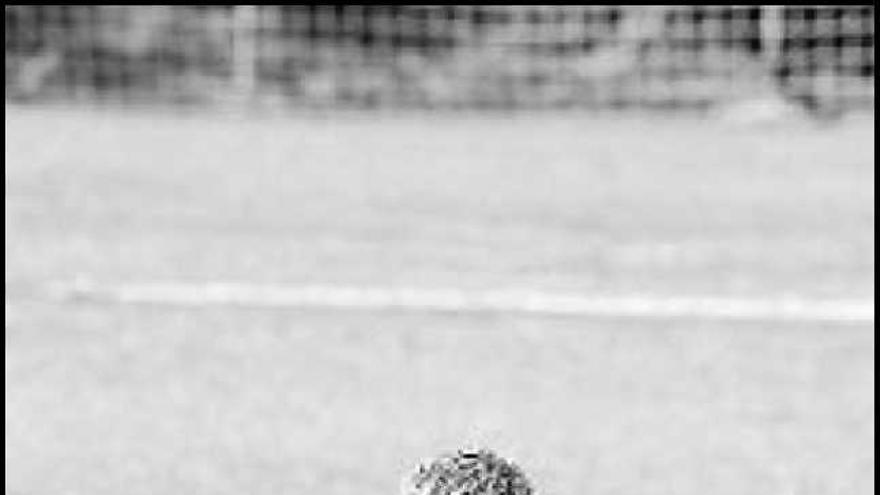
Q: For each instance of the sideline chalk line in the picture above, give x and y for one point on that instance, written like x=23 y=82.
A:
x=376 y=298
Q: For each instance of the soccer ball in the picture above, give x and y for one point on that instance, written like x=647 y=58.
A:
x=468 y=472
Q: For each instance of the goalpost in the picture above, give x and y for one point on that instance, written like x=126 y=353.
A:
x=441 y=56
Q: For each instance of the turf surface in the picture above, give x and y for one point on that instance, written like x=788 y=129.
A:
x=108 y=399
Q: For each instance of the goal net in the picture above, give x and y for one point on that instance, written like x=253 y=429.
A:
x=441 y=56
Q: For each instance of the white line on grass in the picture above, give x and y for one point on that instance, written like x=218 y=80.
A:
x=345 y=297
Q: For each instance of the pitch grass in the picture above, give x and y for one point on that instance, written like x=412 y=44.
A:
x=114 y=399
x=140 y=401
x=658 y=206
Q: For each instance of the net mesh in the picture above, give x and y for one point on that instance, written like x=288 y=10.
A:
x=441 y=56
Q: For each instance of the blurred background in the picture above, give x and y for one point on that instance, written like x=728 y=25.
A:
x=291 y=249
x=441 y=56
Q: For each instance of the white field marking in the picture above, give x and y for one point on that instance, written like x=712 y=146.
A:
x=345 y=297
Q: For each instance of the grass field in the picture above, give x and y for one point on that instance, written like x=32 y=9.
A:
x=138 y=399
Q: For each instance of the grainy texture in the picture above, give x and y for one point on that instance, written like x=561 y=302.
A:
x=468 y=472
